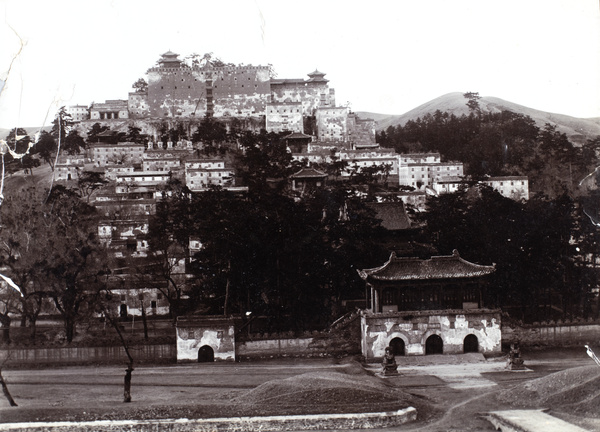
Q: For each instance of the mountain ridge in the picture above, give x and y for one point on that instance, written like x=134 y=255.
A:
x=577 y=129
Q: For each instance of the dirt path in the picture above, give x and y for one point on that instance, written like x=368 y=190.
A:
x=454 y=396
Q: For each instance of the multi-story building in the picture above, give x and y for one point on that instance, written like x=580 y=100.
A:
x=162 y=160
x=312 y=93
x=114 y=154
x=176 y=89
x=139 y=180
x=286 y=116
x=514 y=187
x=332 y=123
x=78 y=112
x=202 y=173
x=111 y=171
x=109 y=110
x=69 y=167
x=420 y=170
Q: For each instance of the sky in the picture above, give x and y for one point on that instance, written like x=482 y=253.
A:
x=380 y=56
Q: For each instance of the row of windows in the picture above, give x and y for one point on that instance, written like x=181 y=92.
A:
x=512 y=183
x=140 y=296
x=285 y=110
x=438 y=168
x=205 y=184
x=161 y=178
x=202 y=174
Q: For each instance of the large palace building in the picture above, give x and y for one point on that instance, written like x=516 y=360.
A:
x=176 y=89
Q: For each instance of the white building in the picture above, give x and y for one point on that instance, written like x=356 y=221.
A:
x=78 y=112
x=202 y=173
x=420 y=170
x=514 y=187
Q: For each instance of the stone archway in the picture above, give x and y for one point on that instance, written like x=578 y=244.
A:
x=471 y=344
x=434 y=345
x=206 y=354
x=398 y=346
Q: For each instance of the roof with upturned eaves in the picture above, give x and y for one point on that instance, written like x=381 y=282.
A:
x=309 y=173
x=436 y=267
x=317 y=76
x=316 y=72
x=297 y=135
x=169 y=54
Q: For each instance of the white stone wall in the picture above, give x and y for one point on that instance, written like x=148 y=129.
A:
x=221 y=338
x=415 y=327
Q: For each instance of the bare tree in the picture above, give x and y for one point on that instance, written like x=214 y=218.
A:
x=5 y=390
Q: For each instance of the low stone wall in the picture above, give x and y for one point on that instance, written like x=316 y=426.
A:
x=280 y=347
x=552 y=334
x=165 y=353
x=272 y=423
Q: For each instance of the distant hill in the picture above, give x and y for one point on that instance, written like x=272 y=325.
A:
x=577 y=129
x=30 y=130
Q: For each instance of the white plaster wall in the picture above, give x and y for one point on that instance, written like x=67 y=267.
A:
x=189 y=341
x=379 y=331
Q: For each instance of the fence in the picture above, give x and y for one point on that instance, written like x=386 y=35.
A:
x=164 y=353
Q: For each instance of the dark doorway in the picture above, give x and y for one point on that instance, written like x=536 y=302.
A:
x=471 y=344
x=434 y=345
x=397 y=346
x=123 y=311
x=206 y=354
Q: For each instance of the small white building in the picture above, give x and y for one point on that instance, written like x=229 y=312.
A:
x=205 y=339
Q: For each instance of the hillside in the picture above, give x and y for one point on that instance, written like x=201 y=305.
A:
x=577 y=129
x=30 y=130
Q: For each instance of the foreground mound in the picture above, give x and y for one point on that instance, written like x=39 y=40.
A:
x=342 y=391
x=574 y=391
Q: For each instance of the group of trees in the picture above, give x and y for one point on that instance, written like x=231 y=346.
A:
x=544 y=249
x=50 y=250
x=293 y=260
x=264 y=251
x=504 y=143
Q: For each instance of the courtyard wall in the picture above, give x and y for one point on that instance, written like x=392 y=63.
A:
x=552 y=333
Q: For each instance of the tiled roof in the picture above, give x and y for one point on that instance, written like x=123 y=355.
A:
x=437 y=267
x=297 y=135
x=309 y=173
x=392 y=214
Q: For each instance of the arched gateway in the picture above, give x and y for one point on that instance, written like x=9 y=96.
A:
x=434 y=345
x=437 y=304
x=206 y=354
x=398 y=347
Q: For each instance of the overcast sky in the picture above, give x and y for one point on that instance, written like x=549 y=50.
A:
x=381 y=56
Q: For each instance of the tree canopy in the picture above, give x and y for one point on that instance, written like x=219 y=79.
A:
x=496 y=144
x=51 y=250
x=535 y=246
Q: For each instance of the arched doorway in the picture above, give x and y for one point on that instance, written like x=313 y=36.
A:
x=471 y=344
x=397 y=346
x=206 y=354
x=434 y=345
